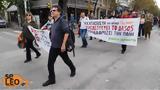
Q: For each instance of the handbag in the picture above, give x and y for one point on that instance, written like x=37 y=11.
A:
x=21 y=41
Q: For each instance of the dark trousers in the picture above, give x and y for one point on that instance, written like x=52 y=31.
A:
x=83 y=36
x=124 y=47
x=147 y=29
x=90 y=38
x=29 y=46
x=141 y=30
x=148 y=34
x=53 y=54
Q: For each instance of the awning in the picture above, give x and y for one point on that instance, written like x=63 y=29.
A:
x=12 y=8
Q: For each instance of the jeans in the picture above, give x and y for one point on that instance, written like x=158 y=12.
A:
x=141 y=30
x=83 y=36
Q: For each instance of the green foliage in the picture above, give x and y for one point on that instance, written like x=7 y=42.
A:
x=18 y=3
x=149 y=5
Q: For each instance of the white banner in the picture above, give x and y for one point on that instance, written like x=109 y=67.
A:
x=120 y=31
x=42 y=38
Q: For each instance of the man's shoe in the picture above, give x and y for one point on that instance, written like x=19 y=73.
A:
x=85 y=46
x=90 y=38
x=38 y=55
x=73 y=74
x=100 y=40
x=123 y=51
x=48 y=82
x=26 y=61
x=82 y=46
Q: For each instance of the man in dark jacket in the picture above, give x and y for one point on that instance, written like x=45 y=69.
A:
x=59 y=35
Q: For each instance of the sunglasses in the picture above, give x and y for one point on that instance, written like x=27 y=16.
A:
x=28 y=15
x=53 y=10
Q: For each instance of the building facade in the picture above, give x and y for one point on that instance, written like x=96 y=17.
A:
x=40 y=7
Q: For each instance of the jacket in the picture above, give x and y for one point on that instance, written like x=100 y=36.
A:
x=25 y=31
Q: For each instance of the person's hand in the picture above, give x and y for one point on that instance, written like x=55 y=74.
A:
x=63 y=48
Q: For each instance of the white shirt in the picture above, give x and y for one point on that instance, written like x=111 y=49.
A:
x=82 y=24
x=142 y=21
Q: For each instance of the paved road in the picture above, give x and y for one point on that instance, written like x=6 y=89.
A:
x=100 y=66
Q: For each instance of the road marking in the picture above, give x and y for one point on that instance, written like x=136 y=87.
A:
x=17 y=31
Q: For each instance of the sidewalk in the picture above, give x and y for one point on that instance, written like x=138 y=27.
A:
x=15 y=26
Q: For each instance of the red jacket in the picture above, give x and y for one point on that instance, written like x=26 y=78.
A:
x=126 y=16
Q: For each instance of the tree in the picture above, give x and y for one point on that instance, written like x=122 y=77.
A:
x=18 y=3
x=89 y=6
x=148 y=5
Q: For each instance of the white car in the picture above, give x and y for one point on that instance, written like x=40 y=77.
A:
x=3 y=22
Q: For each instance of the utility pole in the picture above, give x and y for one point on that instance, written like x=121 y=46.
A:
x=95 y=7
x=76 y=10
x=25 y=6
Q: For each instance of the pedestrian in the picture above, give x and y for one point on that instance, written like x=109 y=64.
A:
x=49 y=23
x=29 y=37
x=91 y=17
x=72 y=21
x=83 y=29
x=59 y=35
x=113 y=15
x=141 y=26
x=134 y=14
x=125 y=14
x=155 y=20
x=159 y=21
x=148 y=25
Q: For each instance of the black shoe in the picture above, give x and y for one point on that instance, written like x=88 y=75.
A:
x=38 y=55
x=73 y=73
x=48 y=82
x=123 y=51
x=83 y=46
x=26 y=61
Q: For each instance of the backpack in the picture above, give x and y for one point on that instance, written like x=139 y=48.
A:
x=70 y=44
x=21 y=41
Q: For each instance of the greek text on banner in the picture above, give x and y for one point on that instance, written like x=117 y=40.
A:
x=120 y=31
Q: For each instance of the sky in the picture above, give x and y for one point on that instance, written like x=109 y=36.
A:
x=158 y=3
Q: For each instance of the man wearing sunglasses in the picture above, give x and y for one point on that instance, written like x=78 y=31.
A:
x=59 y=35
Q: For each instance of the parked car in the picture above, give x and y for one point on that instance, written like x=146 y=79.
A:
x=3 y=22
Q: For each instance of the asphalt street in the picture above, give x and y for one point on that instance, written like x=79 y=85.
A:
x=101 y=66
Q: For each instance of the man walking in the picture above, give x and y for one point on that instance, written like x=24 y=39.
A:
x=59 y=35
x=83 y=30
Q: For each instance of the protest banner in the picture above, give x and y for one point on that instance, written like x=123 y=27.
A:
x=120 y=31
x=42 y=37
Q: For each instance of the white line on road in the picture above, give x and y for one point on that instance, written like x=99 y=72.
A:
x=17 y=31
